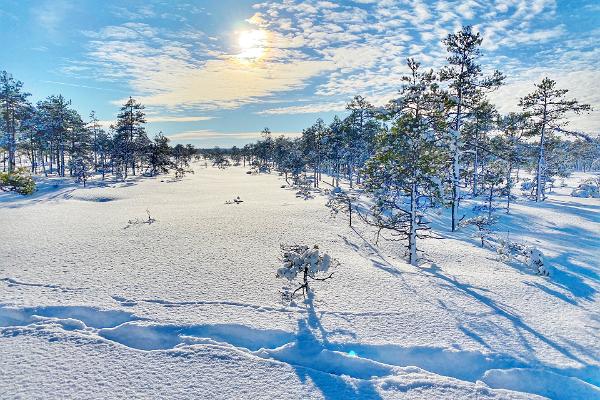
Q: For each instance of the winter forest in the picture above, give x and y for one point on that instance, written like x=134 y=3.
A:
x=425 y=246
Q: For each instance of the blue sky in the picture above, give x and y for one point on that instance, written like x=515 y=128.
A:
x=218 y=72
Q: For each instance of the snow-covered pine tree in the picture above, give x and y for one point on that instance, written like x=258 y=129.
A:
x=466 y=88
x=334 y=147
x=12 y=101
x=81 y=155
x=509 y=146
x=130 y=133
x=476 y=140
x=312 y=147
x=548 y=107
x=362 y=126
x=159 y=155
x=405 y=173
x=292 y=162
x=306 y=262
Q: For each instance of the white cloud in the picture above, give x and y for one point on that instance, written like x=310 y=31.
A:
x=210 y=134
x=336 y=49
x=306 y=109
x=169 y=118
x=580 y=87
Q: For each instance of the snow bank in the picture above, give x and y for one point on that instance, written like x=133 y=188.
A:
x=544 y=383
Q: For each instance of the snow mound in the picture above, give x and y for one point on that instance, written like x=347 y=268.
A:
x=588 y=188
x=541 y=382
x=161 y=337
x=71 y=317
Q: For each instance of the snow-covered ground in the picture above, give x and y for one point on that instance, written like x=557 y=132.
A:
x=93 y=306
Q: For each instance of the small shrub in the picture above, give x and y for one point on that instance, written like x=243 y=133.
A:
x=588 y=188
x=19 y=181
x=306 y=262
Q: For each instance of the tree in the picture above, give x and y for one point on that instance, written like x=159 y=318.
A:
x=312 y=147
x=131 y=133
x=341 y=201
x=12 y=101
x=104 y=148
x=333 y=142
x=514 y=127
x=81 y=154
x=466 y=88
x=59 y=121
x=404 y=174
x=292 y=160
x=362 y=127
x=476 y=139
x=300 y=260
x=95 y=129
x=159 y=155
x=547 y=107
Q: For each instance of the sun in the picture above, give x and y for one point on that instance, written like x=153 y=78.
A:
x=252 y=44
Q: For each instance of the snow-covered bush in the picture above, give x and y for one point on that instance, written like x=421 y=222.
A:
x=526 y=185
x=588 y=188
x=306 y=262
x=531 y=256
x=535 y=260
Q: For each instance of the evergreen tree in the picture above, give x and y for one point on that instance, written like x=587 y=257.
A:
x=312 y=147
x=509 y=146
x=131 y=133
x=466 y=88
x=58 y=120
x=476 y=139
x=362 y=128
x=548 y=107
x=13 y=101
x=404 y=172
x=159 y=156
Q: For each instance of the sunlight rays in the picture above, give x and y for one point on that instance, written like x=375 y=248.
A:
x=252 y=45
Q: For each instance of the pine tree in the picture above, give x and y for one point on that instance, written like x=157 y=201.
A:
x=476 y=139
x=509 y=146
x=548 y=107
x=12 y=102
x=159 y=156
x=466 y=88
x=404 y=172
x=362 y=128
x=58 y=121
x=312 y=147
x=131 y=133
x=95 y=128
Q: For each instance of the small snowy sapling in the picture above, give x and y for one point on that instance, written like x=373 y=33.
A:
x=306 y=262
x=536 y=261
x=138 y=221
x=483 y=224
x=340 y=201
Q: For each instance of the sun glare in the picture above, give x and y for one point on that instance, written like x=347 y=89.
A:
x=252 y=44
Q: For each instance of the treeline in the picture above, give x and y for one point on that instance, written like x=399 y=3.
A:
x=51 y=137
x=438 y=142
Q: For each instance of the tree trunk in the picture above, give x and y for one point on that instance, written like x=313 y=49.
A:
x=539 y=190
x=412 y=236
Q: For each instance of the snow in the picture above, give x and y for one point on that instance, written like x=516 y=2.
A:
x=189 y=306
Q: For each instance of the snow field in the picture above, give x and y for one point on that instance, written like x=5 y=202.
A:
x=189 y=305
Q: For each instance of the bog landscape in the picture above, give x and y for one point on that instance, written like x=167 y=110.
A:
x=299 y=200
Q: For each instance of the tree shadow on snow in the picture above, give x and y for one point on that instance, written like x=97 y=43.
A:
x=508 y=314
x=330 y=370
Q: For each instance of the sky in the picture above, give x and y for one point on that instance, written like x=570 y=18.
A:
x=215 y=73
